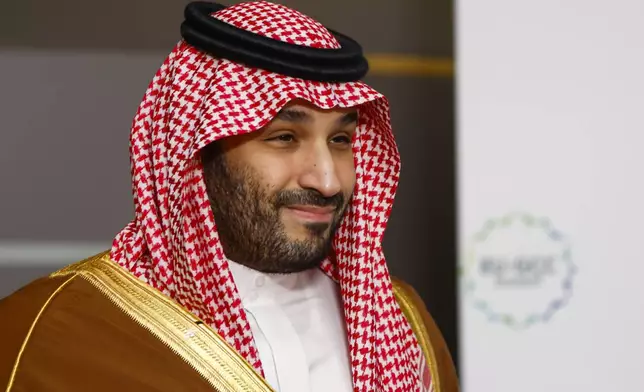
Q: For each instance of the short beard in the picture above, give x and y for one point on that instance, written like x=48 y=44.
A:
x=249 y=224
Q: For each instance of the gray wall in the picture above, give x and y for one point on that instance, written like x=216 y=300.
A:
x=73 y=73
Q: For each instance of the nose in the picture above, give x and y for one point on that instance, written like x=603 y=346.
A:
x=320 y=172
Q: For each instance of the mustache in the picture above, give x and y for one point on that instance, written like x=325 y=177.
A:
x=308 y=197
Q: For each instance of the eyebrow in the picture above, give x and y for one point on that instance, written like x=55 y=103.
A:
x=300 y=116
x=294 y=115
x=349 y=118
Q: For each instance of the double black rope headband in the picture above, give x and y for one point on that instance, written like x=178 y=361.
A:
x=220 y=39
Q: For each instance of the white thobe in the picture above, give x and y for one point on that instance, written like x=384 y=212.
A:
x=298 y=325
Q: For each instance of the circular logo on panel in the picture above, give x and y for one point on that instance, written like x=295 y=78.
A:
x=518 y=270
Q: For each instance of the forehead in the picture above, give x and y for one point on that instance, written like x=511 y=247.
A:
x=308 y=110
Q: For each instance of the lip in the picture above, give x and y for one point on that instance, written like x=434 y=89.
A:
x=312 y=213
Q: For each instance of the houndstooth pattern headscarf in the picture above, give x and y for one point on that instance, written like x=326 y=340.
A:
x=172 y=243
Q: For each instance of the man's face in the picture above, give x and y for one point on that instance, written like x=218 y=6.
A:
x=279 y=194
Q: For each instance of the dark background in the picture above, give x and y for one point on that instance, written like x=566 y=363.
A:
x=74 y=71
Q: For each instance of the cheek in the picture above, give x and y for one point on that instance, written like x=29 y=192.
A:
x=275 y=175
x=269 y=173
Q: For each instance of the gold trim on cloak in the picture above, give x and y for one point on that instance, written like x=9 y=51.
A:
x=187 y=336
x=441 y=366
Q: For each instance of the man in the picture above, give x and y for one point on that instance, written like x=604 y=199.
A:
x=263 y=172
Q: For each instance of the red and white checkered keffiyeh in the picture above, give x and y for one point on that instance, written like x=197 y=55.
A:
x=172 y=244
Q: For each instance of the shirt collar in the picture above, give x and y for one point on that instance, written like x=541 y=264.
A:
x=254 y=286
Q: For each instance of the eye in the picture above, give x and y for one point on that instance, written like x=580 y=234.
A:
x=283 y=138
x=341 y=139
